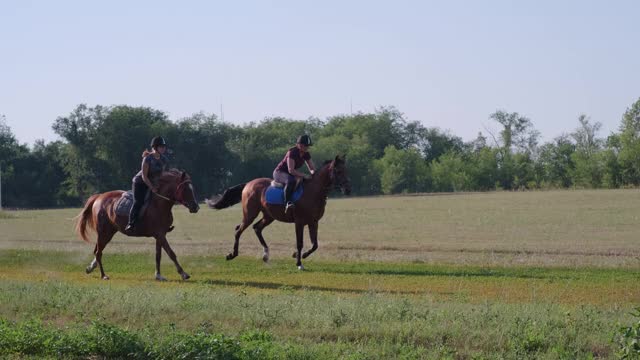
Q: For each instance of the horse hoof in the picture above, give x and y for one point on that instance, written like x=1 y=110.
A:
x=265 y=257
x=160 y=277
x=105 y=277
x=91 y=267
x=300 y=267
x=230 y=257
x=295 y=254
x=185 y=276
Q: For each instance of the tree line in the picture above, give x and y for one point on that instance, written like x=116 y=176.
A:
x=100 y=150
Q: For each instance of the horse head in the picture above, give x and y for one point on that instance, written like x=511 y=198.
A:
x=177 y=185
x=339 y=175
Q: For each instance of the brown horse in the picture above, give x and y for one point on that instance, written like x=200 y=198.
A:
x=308 y=210
x=99 y=214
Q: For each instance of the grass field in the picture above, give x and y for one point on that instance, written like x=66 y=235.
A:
x=497 y=275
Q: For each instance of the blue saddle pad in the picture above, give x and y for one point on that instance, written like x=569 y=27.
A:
x=275 y=196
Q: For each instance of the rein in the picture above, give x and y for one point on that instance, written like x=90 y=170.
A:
x=161 y=197
x=178 y=194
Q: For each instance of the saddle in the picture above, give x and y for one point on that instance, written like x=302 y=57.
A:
x=280 y=185
x=125 y=203
x=275 y=193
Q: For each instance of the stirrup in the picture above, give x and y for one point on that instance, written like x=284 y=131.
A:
x=289 y=205
x=129 y=227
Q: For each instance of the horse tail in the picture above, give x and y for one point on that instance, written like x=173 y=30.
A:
x=231 y=196
x=86 y=217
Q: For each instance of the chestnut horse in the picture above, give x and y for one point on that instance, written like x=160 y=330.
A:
x=99 y=214
x=307 y=211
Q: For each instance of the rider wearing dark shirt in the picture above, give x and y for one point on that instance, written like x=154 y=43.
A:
x=153 y=164
x=286 y=172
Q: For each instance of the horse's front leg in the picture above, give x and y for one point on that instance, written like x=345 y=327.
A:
x=165 y=245
x=299 y=237
x=313 y=234
x=159 y=277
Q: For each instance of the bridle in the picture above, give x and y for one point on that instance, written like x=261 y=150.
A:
x=177 y=196
x=332 y=178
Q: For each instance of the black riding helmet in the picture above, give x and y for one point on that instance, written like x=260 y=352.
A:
x=304 y=140
x=157 y=141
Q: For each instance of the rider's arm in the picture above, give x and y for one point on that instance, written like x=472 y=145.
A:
x=311 y=166
x=145 y=177
x=292 y=169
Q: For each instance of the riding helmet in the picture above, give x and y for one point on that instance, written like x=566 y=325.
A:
x=158 y=141
x=304 y=140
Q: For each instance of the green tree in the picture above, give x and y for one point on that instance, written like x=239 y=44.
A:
x=612 y=172
x=587 y=158
x=39 y=178
x=121 y=137
x=556 y=163
x=105 y=145
x=84 y=169
x=629 y=156
x=9 y=146
x=199 y=145
x=523 y=171
x=30 y=177
x=517 y=136
x=10 y=152
x=433 y=142
x=383 y=128
x=517 y=132
x=402 y=171
x=361 y=167
x=481 y=165
x=260 y=146
x=450 y=173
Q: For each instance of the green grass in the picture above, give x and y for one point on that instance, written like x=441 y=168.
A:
x=363 y=308
x=503 y=275
x=6 y=215
x=560 y=228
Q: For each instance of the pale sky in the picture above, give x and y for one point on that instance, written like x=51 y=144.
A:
x=445 y=63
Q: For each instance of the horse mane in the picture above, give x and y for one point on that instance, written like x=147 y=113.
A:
x=170 y=174
x=173 y=171
x=328 y=162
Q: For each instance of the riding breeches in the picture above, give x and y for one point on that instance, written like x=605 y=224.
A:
x=140 y=190
x=289 y=182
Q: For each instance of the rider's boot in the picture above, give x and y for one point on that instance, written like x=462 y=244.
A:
x=288 y=192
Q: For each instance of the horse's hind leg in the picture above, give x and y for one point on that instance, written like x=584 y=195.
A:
x=105 y=231
x=94 y=264
x=258 y=227
x=103 y=239
x=248 y=217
